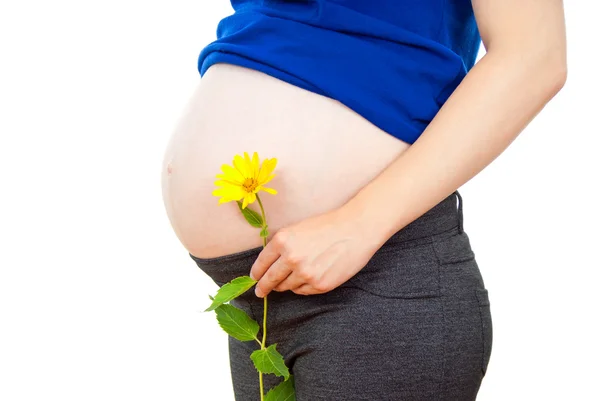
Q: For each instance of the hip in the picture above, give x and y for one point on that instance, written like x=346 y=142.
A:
x=420 y=299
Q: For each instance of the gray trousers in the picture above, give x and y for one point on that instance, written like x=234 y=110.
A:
x=413 y=324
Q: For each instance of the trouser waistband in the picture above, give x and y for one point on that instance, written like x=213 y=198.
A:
x=444 y=216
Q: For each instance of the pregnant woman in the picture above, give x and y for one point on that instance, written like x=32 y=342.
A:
x=377 y=114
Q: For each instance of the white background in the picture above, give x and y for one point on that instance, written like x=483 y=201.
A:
x=98 y=299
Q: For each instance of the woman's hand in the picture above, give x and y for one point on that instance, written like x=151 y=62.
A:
x=313 y=256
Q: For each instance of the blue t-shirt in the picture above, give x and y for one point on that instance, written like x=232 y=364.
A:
x=395 y=62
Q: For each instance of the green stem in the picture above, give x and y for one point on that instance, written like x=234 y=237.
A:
x=262 y=346
x=264 y=339
x=262 y=397
x=264 y=322
x=264 y=218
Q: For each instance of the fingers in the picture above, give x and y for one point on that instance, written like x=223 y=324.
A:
x=278 y=272
x=294 y=280
x=304 y=289
x=274 y=267
x=267 y=256
x=268 y=268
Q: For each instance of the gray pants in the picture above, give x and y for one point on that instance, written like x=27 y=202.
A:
x=413 y=324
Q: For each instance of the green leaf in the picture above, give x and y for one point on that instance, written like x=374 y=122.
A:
x=251 y=216
x=284 y=391
x=269 y=360
x=231 y=290
x=264 y=232
x=236 y=322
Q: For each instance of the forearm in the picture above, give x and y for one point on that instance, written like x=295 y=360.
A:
x=500 y=95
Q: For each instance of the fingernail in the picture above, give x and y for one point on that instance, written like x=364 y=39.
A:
x=252 y=276
x=258 y=293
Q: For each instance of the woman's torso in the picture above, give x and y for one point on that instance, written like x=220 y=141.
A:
x=326 y=153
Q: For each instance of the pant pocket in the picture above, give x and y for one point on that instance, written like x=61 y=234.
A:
x=486 y=327
x=453 y=248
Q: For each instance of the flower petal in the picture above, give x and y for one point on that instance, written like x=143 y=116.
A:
x=267 y=168
x=226 y=183
x=255 y=165
x=251 y=197
x=232 y=174
x=240 y=165
x=249 y=165
x=269 y=190
x=228 y=179
x=245 y=202
x=230 y=192
x=268 y=179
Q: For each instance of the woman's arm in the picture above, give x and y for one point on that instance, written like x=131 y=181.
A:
x=523 y=68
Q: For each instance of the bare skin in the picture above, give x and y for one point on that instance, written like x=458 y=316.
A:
x=325 y=152
x=524 y=67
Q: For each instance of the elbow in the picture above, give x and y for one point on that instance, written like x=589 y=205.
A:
x=553 y=65
x=545 y=65
x=543 y=68
x=557 y=73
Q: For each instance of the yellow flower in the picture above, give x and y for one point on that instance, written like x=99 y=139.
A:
x=244 y=179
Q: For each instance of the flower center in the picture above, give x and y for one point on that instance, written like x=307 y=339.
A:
x=250 y=184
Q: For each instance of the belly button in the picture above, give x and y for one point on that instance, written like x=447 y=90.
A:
x=169 y=169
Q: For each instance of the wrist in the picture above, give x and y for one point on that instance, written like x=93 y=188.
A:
x=366 y=220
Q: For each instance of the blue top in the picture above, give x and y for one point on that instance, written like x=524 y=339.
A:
x=395 y=62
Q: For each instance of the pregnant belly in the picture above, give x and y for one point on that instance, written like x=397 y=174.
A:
x=325 y=154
